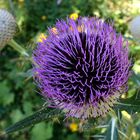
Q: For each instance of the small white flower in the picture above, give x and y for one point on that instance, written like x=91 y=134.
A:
x=8 y=27
x=135 y=27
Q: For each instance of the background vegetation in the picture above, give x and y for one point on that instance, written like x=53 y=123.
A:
x=18 y=94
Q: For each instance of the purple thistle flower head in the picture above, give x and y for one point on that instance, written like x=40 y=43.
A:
x=82 y=67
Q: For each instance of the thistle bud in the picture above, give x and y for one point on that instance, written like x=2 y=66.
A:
x=8 y=27
x=135 y=27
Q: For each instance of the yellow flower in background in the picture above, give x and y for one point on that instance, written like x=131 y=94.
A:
x=54 y=30
x=81 y=28
x=74 y=16
x=41 y=37
x=43 y=17
x=123 y=96
x=20 y=1
x=126 y=115
x=73 y=127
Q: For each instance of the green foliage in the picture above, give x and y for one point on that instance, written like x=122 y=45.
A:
x=4 y=93
x=42 y=131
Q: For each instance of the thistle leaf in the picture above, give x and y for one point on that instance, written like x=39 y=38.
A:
x=39 y=116
x=112 y=131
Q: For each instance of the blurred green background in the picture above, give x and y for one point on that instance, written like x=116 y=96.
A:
x=18 y=93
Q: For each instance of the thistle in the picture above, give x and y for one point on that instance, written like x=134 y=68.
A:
x=135 y=27
x=8 y=27
x=82 y=68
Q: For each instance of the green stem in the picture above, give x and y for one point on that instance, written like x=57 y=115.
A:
x=18 y=48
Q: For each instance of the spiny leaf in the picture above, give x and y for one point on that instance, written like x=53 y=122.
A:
x=112 y=131
x=41 y=115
